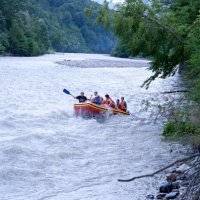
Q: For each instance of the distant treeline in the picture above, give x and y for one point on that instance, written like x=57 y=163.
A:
x=31 y=27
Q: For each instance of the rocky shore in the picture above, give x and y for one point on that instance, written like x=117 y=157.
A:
x=182 y=183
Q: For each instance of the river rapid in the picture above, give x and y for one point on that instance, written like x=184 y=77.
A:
x=46 y=153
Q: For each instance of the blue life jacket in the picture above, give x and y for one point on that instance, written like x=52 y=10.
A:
x=98 y=100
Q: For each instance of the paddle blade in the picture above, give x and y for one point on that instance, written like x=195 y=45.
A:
x=66 y=91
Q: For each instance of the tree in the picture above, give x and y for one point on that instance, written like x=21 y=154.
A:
x=31 y=27
x=18 y=40
x=159 y=30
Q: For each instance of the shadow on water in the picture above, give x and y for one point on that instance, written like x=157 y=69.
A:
x=100 y=118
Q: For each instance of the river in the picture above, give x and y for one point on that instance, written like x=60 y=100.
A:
x=48 y=154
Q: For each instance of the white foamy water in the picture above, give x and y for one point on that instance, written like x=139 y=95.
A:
x=48 y=154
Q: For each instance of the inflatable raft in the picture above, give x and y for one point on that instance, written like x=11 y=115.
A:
x=92 y=110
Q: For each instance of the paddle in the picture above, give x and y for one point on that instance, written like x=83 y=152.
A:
x=130 y=113
x=67 y=92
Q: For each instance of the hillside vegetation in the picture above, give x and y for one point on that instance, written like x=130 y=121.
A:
x=30 y=28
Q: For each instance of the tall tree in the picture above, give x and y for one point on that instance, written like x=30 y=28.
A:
x=159 y=29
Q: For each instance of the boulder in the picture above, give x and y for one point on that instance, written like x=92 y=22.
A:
x=161 y=195
x=175 y=190
x=166 y=188
x=190 y=172
x=171 y=177
x=182 y=168
x=172 y=195
x=180 y=177
x=185 y=183
x=150 y=196
x=176 y=184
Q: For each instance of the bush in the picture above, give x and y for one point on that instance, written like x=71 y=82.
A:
x=185 y=130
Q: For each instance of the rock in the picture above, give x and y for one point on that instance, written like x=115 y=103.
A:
x=150 y=196
x=176 y=184
x=190 y=172
x=175 y=190
x=196 y=197
x=172 y=195
x=182 y=168
x=180 y=177
x=174 y=170
x=166 y=188
x=185 y=183
x=161 y=195
x=171 y=177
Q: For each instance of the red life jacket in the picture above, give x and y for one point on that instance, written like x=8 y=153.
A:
x=122 y=106
x=109 y=102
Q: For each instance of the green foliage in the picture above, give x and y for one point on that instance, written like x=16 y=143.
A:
x=193 y=49
x=2 y=48
x=184 y=123
x=120 y=51
x=186 y=131
x=30 y=28
x=70 y=30
x=174 y=129
x=18 y=40
x=166 y=31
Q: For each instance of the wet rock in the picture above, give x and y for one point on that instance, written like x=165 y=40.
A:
x=185 y=183
x=161 y=195
x=171 y=177
x=172 y=195
x=182 y=191
x=175 y=190
x=166 y=188
x=180 y=177
x=176 y=184
x=182 y=168
x=150 y=196
x=173 y=170
x=196 y=197
x=190 y=172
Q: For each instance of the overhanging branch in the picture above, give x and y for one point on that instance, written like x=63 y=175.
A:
x=160 y=170
x=179 y=39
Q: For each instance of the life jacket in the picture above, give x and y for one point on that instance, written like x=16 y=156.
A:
x=122 y=106
x=97 y=100
x=112 y=103
x=109 y=102
x=117 y=105
x=105 y=102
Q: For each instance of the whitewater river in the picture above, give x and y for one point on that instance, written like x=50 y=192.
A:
x=48 y=154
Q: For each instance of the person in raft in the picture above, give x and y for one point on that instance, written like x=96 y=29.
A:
x=108 y=101
x=96 y=99
x=123 y=105
x=81 y=98
x=117 y=103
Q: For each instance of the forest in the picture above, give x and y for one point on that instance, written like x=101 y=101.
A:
x=31 y=28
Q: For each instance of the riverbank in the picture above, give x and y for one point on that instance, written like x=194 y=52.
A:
x=183 y=182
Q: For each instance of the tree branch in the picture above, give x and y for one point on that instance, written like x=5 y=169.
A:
x=160 y=170
x=179 y=39
x=175 y=91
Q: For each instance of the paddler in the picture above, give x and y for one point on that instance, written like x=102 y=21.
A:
x=81 y=98
x=108 y=101
x=96 y=99
x=117 y=103
x=123 y=105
